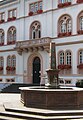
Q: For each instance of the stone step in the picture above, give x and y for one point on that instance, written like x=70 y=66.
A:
x=42 y=112
x=10 y=118
x=19 y=111
x=14 y=116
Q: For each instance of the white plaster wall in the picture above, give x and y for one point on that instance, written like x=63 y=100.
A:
x=48 y=20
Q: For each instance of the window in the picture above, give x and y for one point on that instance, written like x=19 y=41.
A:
x=10 y=80
x=61 y=58
x=80 y=23
x=65 y=62
x=1 y=37
x=61 y=81
x=63 y=3
x=80 y=62
x=64 y=26
x=13 y=61
x=67 y=81
x=1 y=65
x=35 y=30
x=11 y=35
x=68 y=58
x=9 y=61
x=34 y=7
x=12 y=13
x=11 y=64
x=2 y=16
x=81 y=57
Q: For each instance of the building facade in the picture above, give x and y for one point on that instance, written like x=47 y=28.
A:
x=26 y=29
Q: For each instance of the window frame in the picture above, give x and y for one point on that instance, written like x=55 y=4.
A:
x=12 y=13
x=33 y=4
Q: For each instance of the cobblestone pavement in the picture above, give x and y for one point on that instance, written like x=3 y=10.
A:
x=7 y=97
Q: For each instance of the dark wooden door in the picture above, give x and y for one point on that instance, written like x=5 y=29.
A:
x=36 y=70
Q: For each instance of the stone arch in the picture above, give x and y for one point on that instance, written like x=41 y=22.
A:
x=80 y=15
x=63 y=18
x=29 y=64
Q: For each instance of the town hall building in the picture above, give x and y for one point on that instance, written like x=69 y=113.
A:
x=27 y=27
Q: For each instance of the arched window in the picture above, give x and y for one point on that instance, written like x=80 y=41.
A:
x=81 y=57
x=61 y=58
x=1 y=65
x=11 y=64
x=1 y=61
x=68 y=58
x=65 y=26
x=13 y=61
x=68 y=25
x=11 y=35
x=80 y=23
x=80 y=62
x=9 y=61
x=35 y=30
x=1 y=37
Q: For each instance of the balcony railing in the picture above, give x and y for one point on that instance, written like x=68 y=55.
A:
x=35 y=42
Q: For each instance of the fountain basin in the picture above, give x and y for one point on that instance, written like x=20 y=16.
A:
x=55 y=99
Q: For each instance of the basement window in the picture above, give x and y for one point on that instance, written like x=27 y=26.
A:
x=67 y=81
x=0 y=80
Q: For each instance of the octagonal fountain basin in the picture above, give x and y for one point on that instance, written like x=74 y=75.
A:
x=55 y=99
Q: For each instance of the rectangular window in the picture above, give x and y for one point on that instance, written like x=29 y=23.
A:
x=12 y=13
x=40 y=6
x=2 y=16
x=64 y=1
x=34 y=7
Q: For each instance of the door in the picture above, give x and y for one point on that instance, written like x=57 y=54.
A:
x=36 y=70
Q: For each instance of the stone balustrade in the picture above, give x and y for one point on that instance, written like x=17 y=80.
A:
x=33 y=45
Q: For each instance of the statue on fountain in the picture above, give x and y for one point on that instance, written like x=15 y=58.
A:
x=52 y=72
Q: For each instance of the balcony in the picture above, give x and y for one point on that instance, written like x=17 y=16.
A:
x=33 y=45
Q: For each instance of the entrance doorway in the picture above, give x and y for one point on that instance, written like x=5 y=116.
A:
x=36 y=70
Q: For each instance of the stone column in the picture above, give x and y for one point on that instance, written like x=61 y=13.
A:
x=52 y=72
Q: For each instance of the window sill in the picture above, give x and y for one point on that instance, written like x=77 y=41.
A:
x=64 y=34
x=11 y=19
x=79 y=1
x=34 y=13
x=61 y=5
x=80 y=31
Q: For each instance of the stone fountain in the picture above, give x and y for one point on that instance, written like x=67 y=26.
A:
x=51 y=96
